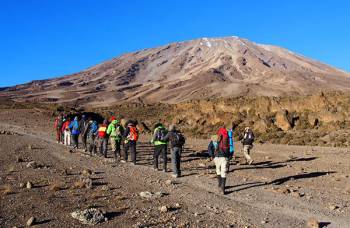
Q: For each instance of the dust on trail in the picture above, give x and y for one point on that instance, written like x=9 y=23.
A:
x=287 y=186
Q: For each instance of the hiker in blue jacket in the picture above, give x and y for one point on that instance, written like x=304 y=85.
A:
x=75 y=131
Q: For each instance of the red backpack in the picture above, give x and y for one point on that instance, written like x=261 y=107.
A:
x=134 y=134
x=102 y=131
x=224 y=143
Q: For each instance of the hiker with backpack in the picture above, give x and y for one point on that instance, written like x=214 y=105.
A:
x=131 y=135
x=115 y=132
x=177 y=141
x=58 y=126
x=102 y=138
x=91 y=136
x=160 y=146
x=66 y=132
x=247 y=141
x=221 y=154
x=75 y=132
x=84 y=129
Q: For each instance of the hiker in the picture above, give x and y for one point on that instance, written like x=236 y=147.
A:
x=75 y=132
x=66 y=132
x=115 y=132
x=103 y=138
x=247 y=141
x=160 y=146
x=58 y=126
x=91 y=136
x=177 y=141
x=221 y=154
x=131 y=135
x=84 y=126
x=232 y=148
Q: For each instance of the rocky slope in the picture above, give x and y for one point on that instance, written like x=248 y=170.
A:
x=201 y=68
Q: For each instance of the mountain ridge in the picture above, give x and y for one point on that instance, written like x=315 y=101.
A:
x=181 y=71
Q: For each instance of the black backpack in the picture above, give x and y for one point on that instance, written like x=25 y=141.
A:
x=161 y=133
x=249 y=139
x=178 y=139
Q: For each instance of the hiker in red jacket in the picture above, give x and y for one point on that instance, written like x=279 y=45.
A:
x=57 y=127
x=66 y=132
x=102 y=138
x=131 y=135
x=221 y=156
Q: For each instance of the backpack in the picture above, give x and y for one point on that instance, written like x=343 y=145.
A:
x=230 y=137
x=102 y=131
x=134 y=134
x=93 y=129
x=161 y=133
x=248 y=138
x=76 y=128
x=178 y=139
x=224 y=144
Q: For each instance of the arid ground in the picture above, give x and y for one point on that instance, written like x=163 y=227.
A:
x=286 y=186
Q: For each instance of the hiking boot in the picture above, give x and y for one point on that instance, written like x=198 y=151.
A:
x=155 y=169
x=174 y=175
x=223 y=185
x=250 y=162
x=122 y=161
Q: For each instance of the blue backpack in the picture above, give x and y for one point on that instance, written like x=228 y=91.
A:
x=230 y=137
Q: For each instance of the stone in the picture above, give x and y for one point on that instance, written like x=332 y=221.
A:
x=263 y=222
x=333 y=207
x=29 y=185
x=169 y=182
x=87 y=172
x=31 y=221
x=32 y=164
x=163 y=209
x=21 y=185
x=87 y=182
x=105 y=188
x=282 y=121
x=91 y=216
x=148 y=195
x=177 y=206
x=312 y=223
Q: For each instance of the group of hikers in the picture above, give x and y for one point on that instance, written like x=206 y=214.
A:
x=120 y=134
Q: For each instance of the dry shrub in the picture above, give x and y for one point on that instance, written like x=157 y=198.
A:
x=56 y=186
x=7 y=190
x=79 y=184
x=11 y=169
x=312 y=223
x=120 y=198
x=96 y=195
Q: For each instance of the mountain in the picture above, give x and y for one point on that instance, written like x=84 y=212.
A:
x=196 y=69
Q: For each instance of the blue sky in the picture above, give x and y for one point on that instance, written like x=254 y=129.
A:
x=41 y=39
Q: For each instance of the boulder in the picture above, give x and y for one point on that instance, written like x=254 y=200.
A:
x=282 y=121
x=91 y=216
x=31 y=221
x=32 y=164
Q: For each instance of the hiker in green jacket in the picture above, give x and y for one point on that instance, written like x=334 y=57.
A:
x=115 y=132
x=160 y=145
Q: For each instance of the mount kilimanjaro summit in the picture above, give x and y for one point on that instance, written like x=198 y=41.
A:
x=196 y=69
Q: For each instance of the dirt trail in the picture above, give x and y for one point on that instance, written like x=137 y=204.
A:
x=286 y=186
